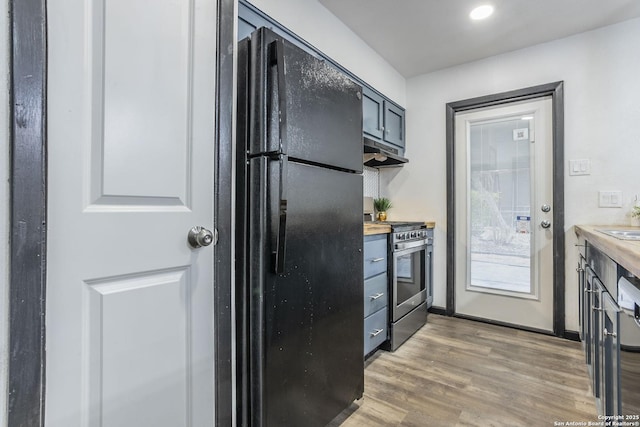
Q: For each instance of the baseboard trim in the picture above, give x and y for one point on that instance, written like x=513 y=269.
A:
x=438 y=310
x=572 y=335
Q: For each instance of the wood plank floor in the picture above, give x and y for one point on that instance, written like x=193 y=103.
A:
x=456 y=372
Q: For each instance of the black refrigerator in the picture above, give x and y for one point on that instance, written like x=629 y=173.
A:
x=299 y=236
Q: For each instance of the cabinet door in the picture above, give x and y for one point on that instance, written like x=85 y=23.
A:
x=429 y=276
x=375 y=255
x=587 y=302
x=610 y=372
x=375 y=294
x=372 y=114
x=394 y=125
x=250 y=20
x=595 y=329
x=581 y=299
x=376 y=330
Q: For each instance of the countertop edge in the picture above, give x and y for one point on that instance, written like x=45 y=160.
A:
x=624 y=252
x=371 y=229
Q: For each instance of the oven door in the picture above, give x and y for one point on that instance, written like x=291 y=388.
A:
x=409 y=274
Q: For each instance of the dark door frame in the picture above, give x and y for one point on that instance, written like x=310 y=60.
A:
x=223 y=257
x=28 y=206
x=556 y=91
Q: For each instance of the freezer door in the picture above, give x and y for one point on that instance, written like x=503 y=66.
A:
x=301 y=106
x=306 y=321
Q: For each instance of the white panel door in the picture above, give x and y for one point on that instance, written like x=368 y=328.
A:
x=129 y=321
x=504 y=194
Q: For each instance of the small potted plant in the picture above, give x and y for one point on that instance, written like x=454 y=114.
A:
x=382 y=205
x=635 y=215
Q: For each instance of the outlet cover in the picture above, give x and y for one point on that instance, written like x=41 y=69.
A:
x=580 y=167
x=610 y=199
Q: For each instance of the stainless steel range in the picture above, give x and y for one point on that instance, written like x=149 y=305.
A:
x=411 y=247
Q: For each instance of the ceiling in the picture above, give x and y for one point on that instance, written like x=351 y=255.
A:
x=420 y=36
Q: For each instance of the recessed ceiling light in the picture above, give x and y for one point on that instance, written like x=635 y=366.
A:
x=526 y=118
x=481 y=12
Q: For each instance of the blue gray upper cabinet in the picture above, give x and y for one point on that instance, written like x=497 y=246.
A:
x=250 y=19
x=394 y=125
x=372 y=113
x=245 y=28
x=382 y=120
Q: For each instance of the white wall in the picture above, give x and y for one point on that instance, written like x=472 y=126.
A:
x=315 y=24
x=601 y=71
x=4 y=205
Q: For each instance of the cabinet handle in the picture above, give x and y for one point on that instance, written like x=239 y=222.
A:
x=611 y=334
x=377 y=259
x=579 y=270
x=376 y=332
x=376 y=296
x=593 y=307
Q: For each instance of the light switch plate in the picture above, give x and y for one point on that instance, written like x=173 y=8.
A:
x=580 y=167
x=610 y=199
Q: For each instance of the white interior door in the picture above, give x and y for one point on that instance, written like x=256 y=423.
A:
x=504 y=193
x=129 y=321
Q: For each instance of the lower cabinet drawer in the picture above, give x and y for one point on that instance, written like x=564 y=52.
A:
x=375 y=294
x=375 y=330
x=375 y=255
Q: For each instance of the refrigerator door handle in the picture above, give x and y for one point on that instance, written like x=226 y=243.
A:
x=281 y=236
x=277 y=57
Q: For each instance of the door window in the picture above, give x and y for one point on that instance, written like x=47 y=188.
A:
x=500 y=205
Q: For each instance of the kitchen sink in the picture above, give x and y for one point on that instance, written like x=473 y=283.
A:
x=622 y=233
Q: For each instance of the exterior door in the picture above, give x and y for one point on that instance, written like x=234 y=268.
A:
x=129 y=320
x=504 y=189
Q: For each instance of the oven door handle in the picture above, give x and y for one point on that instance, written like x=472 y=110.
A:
x=410 y=245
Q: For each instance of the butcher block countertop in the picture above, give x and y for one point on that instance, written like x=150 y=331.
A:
x=624 y=252
x=371 y=228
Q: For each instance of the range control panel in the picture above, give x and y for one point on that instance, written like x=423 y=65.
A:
x=410 y=235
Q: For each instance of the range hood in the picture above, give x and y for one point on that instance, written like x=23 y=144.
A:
x=377 y=155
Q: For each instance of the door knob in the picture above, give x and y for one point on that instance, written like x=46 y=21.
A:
x=545 y=224
x=199 y=236
x=545 y=208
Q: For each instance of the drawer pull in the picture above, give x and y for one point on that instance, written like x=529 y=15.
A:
x=376 y=332
x=376 y=296
x=377 y=259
